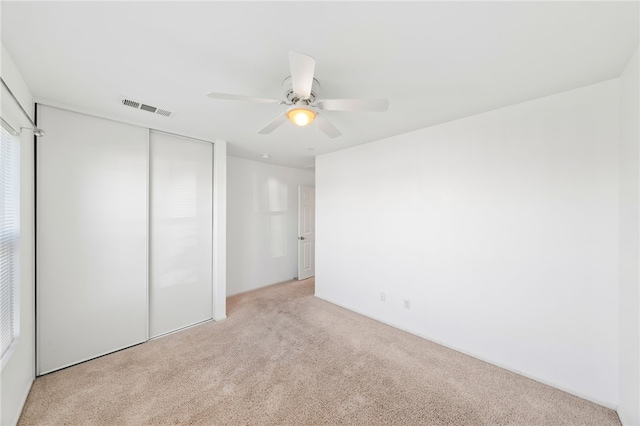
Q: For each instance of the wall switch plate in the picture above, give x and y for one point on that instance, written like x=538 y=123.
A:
x=407 y=304
x=383 y=297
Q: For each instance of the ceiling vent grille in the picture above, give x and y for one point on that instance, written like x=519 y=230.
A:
x=152 y=109
x=130 y=103
x=164 y=112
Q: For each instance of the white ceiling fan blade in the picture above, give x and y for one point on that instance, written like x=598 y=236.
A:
x=302 y=69
x=214 y=95
x=277 y=122
x=328 y=128
x=354 y=104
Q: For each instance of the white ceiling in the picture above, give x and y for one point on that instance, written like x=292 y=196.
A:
x=434 y=61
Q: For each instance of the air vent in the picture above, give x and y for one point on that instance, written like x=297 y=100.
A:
x=133 y=104
x=149 y=108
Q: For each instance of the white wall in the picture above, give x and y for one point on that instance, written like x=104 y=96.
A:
x=629 y=245
x=262 y=223
x=219 y=230
x=501 y=229
x=18 y=374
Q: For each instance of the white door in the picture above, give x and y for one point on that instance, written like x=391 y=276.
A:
x=92 y=238
x=306 y=232
x=181 y=232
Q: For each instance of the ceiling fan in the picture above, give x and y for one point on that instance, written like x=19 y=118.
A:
x=301 y=93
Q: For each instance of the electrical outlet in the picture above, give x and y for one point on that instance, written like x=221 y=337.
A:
x=383 y=297
x=407 y=304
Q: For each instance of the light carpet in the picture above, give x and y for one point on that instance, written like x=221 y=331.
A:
x=286 y=357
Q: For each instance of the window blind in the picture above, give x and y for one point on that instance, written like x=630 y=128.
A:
x=9 y=237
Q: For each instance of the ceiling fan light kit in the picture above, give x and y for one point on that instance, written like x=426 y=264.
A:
x=301 y=93
x=301 y=115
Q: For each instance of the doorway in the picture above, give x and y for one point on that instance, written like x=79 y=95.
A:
x=306 y=232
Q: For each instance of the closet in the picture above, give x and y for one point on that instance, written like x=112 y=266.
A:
x=123 y=236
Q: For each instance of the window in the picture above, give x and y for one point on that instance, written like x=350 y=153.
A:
x=9 y=239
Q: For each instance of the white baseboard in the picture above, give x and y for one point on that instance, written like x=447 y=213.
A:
x=221 y=318
x=24 y=400
x=471 y=354
x=624 y=420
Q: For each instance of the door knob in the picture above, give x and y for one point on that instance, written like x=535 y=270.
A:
x=302 y=238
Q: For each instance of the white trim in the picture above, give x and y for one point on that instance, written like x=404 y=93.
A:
x=36 y=323
x=148 y=238
x=9 y=128
x=471 y=354
x=177 y=330
x=24 y=400
x=623 y=419
x=91 y=357
x=60 y=105
x=219 y=264
x=189 y=138
x=7 y=355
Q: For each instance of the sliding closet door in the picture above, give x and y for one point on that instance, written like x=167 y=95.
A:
x=91 y=237
x=181 y=227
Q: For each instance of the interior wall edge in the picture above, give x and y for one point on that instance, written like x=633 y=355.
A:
x=18 y=373
x=629 y=244
x=482 y=113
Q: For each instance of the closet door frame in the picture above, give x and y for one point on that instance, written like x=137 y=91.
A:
x=219 y=188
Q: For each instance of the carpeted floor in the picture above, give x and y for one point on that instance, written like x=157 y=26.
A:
x=285 y=357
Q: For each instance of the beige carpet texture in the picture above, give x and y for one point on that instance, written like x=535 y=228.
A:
x=284 y=357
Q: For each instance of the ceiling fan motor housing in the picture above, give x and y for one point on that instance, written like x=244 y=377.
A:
x=293 y=98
